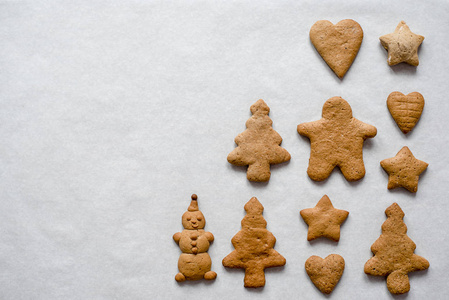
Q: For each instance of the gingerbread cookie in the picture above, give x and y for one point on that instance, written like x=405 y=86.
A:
x=254 y=247
x=405 y=109
x=336 y=140
x=258 y=146
x=337 y=44
x=402 y=45
x=394 y=255
x=324 y=220
x=403 y=170
x=325 y=273
x=194 y=262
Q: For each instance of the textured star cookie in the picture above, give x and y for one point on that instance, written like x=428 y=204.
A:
x=402 y=45
x=336 y=140
x=324 y=220
x=337 y=44
x=325 y=273
x=403 y=170
x=405 y=109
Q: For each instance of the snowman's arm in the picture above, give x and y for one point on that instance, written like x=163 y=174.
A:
x=177 y=237
x=209 y=236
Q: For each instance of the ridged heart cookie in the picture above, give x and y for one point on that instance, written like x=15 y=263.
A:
x=405 y=109
x=337 y=44
x=325 y=273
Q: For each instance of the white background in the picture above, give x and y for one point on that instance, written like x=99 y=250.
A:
x=114 y=112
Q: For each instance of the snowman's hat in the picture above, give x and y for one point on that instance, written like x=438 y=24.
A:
x=194 y=203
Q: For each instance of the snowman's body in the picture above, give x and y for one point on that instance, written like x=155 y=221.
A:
x=194 y=241
x=194 y=263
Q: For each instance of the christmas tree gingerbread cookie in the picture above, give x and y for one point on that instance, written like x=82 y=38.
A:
x=394 y=255
x=194 y=262
x=336 y=140
x=259 y=145
x=254 y=247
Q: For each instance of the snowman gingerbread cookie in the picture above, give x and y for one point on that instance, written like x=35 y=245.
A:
x=194 y=262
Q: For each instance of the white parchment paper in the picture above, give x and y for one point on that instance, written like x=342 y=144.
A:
x=112 y=113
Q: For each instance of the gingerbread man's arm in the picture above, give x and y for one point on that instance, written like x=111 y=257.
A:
x=366 y=130
x=209 y=236
x=177 y=237
x=309 y=128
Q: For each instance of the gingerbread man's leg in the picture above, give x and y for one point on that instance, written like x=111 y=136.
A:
x=319 y=168
x=353 y=169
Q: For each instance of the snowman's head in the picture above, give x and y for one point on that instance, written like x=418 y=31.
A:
x=193 y=220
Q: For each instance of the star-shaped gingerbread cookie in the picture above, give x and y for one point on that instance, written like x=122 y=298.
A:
x=336 y=140
x=403 y=170
x=402 y=45
x=324 y=220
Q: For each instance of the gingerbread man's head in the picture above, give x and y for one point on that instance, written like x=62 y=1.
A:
x=337 y=108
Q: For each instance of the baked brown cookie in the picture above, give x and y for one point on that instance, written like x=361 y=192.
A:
x=337 y=44
x=325 y=273
x=324 y=220
x=394 y=255
x=194 y=262
x=405 y=109
x=402 y=45
x=259 y=145
x=254 y=247
x=336 y=140
x=403 y=170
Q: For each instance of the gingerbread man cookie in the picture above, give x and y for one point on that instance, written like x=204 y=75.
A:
x=194 y=262
x=336 y=140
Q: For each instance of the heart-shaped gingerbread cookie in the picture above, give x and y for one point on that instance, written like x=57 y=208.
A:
x=337 y=44
x=325 y=273
x=405 y=109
